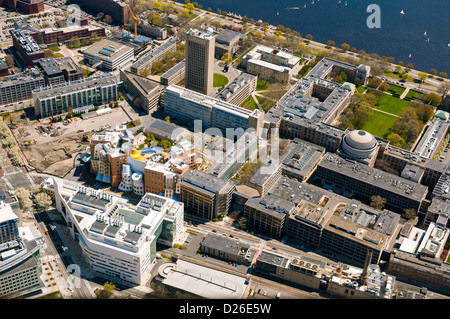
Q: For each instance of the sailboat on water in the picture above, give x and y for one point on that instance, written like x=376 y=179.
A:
x=409 y=57
x=402 y=12
x=425 y=34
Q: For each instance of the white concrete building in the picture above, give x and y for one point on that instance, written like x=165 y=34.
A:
x=117 y=239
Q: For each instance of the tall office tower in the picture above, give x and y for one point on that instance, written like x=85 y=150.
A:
x=199 y=61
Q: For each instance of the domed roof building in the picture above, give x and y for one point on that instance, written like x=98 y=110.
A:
x=359 y=145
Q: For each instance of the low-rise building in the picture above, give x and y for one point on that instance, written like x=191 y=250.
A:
x=227 y=248
x=205 y=195
x=146 y=60
x=19 y=87
x=146 y=92
x=108 y=54
x=69 y=96
x=174 y=75
x=26 y=46
x=226 y=41
x=239 y=89
x=59 y=70
x=184 y=104
x=268 y=214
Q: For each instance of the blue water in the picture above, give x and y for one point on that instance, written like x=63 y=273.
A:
x=399 y=35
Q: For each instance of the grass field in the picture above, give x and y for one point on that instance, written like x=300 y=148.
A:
x=262 y=85
x=412 y=93
x=249 y=103
x=392 y=104
x=379 y=124
x=219 y=80
x=360 y=89
x=392 y=88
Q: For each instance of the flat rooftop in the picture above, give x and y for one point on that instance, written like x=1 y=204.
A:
x=272 y=205
x=107 y=49
x=203 y=281
x=374 y=177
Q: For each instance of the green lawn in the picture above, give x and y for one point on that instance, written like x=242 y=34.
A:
x=392 y=88
x=262 y=85
x=219 y=80
x=379 y=124
x=391 y=104
x=249 y=103
x=360 y=89
x=412 y=93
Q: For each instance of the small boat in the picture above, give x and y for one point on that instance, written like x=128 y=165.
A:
x=427 y=40
x=425 y=34
x=448 y=45
x=304 y=6
x=339 y=3
x=402 y=12
x=312 y=2
x=278 y=13
x=345 y=3
x=409 y=57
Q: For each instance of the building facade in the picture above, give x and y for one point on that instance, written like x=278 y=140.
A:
x=199 y=60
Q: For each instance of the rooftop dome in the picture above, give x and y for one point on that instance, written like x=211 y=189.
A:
x=359 y=144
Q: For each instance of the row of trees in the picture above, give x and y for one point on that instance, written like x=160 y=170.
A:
x=8 y=141
x=41 y=199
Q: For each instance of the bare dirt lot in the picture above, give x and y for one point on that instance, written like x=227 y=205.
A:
x=51 y=148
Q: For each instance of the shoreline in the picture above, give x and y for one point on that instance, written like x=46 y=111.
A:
x=236 y=20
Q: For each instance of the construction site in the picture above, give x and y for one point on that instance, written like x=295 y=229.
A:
x=53 y=147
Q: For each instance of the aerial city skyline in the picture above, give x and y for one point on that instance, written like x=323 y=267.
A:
x=177 y=151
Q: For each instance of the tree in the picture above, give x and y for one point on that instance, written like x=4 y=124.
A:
x=374 y=83
x=242 y=223
x=309 y=37
x=422 y=76
x=331 y=43
x=345 y=46
x=399 y=68
x=100 y=15
x=433 y=98
x=227 y=58
x=258 y=35
x=107 y=290
x=409 y=213
x=433 y=72
x=167 y=119
x=42 y=200
x=425 y=112
x=443 y=75
x=341 y=78
x=377 y=202
x=405 y=76
x=383 y=87
x=48 y=53
x=396 y=140
x=9 y=59
x=74 y=42
x=23 y=195
x=410 y=66
x=107 y=19
x=190 y=7
x=145 y=73
x=157 y=67
x=157 y=5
